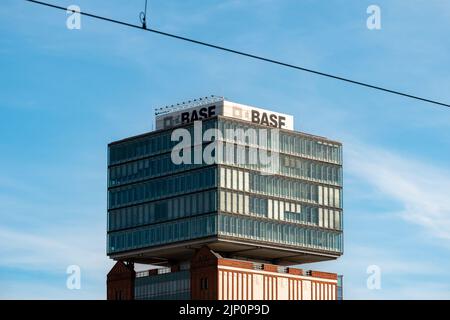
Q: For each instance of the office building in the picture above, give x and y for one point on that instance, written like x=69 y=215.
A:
x=247 y=192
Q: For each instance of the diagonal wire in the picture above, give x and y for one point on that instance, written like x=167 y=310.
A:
x=249 y=55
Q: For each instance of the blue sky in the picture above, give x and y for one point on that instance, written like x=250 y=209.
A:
x=66 y=93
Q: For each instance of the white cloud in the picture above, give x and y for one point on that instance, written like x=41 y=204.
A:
x=422 y=189
x=38 y=289
x=403 y=276
x=49 y=253
x=421 y=192
x=410 y=290
x=47 y=250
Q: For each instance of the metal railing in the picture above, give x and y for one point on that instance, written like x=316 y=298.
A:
x=187 y=104
x=146 y=273
x=257 y=266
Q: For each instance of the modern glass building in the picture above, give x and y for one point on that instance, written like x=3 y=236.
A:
x=340 y=286
x=287 y=212
x=163 y=285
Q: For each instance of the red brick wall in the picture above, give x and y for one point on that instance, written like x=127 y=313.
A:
x=120 y=290
x=323 y=275
x=120 y=282
x=204 y=270
x=235 y=263
x=295 y=271
x=270 y=267
x=201 y=276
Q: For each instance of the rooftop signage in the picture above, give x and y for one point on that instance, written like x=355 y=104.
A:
x=222 y=107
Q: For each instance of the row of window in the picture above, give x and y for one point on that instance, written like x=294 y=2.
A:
x=294 y=189
x=329 y=196
x=295 y=212
x=163 y=233
x=239 y=203
x=235 y=226
x=148 y=145
x=162 y=187
x=251 y=158
x=285 y=142
x=315 y=149
x=163 y=210
x=275 y=163
x=325 y=218
x=205 y=202
x=250 y=135
x=287 y=165
x=272 y=161
x=144 y=169
x=163 y=164
x=168 y=286
x=234 y=179
x=269 y=231
x=293 y=166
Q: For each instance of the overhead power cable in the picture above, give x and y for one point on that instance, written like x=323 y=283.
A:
x=249 y=55
x=143 y=16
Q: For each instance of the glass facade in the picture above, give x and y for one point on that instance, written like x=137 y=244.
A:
x=183 y=206
x=167 y=286
x=340 y=287
x=164 y=187
x=297 y=203
x=152 y=201
x=270 y=231
x=147 y=145
x=163 y=233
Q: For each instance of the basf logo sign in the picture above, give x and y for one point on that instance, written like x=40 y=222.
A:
x=227 y=109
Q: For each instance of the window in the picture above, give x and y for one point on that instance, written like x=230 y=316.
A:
x=320 y=217
x=337 y=220
x=227 y=201
x=222 y=201
x=157 y=188
x=241 y=181
x=228 y=178
x=203 y=283
x=222 y=177
x=118 y=295
x=337 y=203
x=325 y=218
x=240 y=204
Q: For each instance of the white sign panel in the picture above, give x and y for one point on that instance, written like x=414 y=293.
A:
x=227 y=109
x=257 y=115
